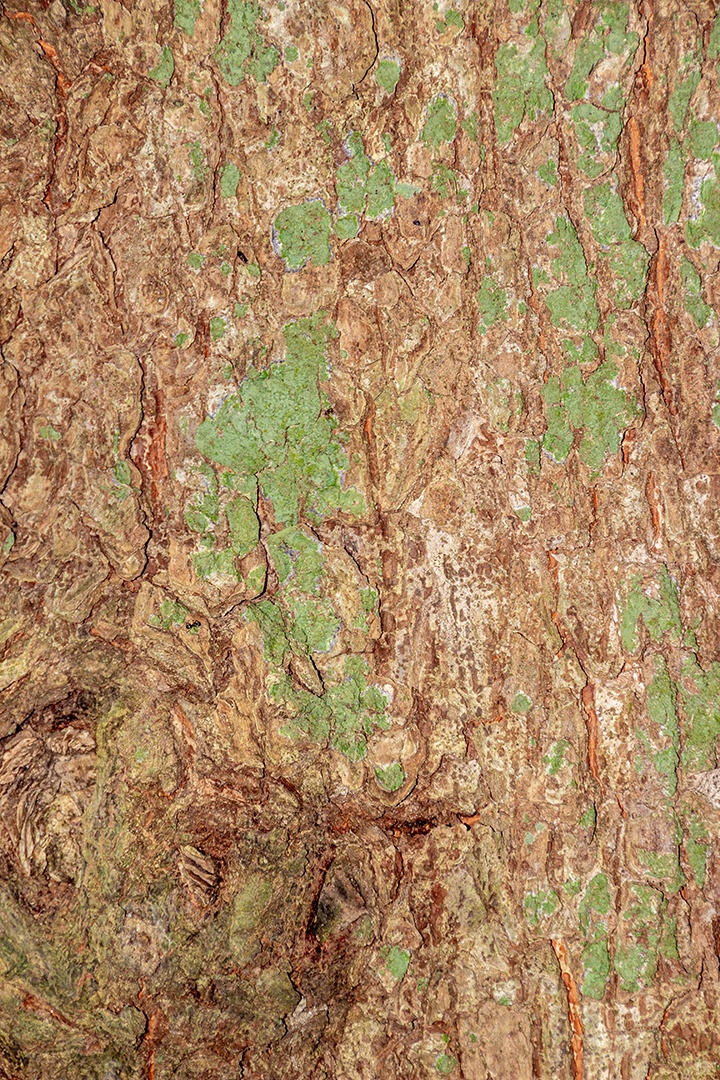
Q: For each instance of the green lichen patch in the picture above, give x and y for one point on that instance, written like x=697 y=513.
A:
x=706 y=226
x=555 y=757
x=347 y=713
x=396 y=960
x=702 y=138
x=597 y=130
x=594 y=406
x=660 y=614
x=163 y=71
x=172 y=613
x=493 y=304
x=595 y=959
x=441 y=123
x=674 y=173
x=187 y=12
x=573 y=303
x=278 y=427
x=520 y=87
x=362 y=187
x=661 y=706
x=539 y=905
x=229 y=180
x=242 y=50
x=596 y=901
x=446 y=1064
x=700 y=695
x=687 y=82
x=390 y=777
x=387 y=75
x=628 y=260
x=694 y=303
x=643 y=927
x=665 y=867
x=218 y=327
x=609 y=34
x=548 y=172
x=301 y=234
x=697 y=848
x=521 y=703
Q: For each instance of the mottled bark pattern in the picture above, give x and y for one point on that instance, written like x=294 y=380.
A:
x=359 y=471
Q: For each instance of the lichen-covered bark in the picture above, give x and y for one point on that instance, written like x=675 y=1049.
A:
x=359 y=456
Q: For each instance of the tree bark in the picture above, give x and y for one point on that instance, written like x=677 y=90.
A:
x=359 y=454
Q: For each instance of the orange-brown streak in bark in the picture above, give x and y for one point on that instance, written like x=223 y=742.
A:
x=636 y=166
x=591 y=725
x=574 y=1015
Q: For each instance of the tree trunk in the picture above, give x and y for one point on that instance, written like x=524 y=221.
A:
x=359 y=453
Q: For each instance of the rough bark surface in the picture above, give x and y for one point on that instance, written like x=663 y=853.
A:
x=359 y=456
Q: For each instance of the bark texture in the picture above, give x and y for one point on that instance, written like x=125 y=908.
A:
x=359 y=455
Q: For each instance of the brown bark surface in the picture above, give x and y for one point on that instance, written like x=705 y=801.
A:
x=359 y=455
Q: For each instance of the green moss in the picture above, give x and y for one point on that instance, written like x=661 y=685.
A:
x=493 y=304
x=674 y=173
x=163 y=71
x=291 y=54
x=391 y=777
x=694 y=303
x=387 y=75
x=242 y=51
x=187 y=12
x=396 y=960
x=229 y=180
x=520 y=89
x=303 y=234
x=441 y=123
x=195 y=260
x=660 y=615
x=589 y=818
